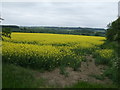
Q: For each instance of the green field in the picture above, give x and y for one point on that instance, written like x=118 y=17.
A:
x=38 y=51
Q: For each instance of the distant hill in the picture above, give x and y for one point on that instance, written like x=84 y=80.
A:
x=46 y=27
x=77 y=28
x=9 y=26
x=70 y=28
x=57 y=30
x=12 y=27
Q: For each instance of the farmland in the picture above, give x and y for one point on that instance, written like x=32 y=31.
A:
x=42 y=51
x=48 y=50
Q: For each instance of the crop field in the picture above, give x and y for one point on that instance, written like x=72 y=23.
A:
x=48 y=51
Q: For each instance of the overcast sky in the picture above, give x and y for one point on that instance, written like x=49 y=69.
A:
x=80 y=14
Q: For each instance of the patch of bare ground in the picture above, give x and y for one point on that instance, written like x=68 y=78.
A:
x=54 y=78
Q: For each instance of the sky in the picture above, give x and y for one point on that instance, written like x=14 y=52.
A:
x=62 y=14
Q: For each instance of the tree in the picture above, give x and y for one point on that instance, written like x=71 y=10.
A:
x=113 y=34
x=1 y=28
x=6 y=32
x=113 y=31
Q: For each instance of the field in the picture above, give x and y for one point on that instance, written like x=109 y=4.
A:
x=42 y=51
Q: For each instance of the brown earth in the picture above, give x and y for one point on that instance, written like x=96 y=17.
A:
x=54 y=78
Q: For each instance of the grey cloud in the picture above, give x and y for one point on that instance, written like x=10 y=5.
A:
x=86 y=14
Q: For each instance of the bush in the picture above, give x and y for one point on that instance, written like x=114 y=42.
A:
x=113 y=31
x=6 y=32
x=113 y=72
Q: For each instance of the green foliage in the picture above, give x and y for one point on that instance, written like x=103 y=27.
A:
x=90 y=85
x=63 y=71
x=113 y=31
x=113 y=72
x=64 y=30
x=6 y=32
x=99 y=34
x=108 y=54
x=18 y=77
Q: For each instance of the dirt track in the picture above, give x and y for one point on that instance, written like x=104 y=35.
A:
x=87 y=68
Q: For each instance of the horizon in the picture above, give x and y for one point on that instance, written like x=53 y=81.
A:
x=50 y=26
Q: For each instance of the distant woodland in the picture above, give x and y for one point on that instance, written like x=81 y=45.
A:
x=57 y=30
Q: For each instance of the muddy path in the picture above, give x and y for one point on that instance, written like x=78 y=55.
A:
x=88 y=68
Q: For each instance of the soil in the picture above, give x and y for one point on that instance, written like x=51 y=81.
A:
x=54 y=78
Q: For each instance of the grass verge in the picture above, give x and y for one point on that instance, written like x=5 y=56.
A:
x=18 y=77
x=90 y=85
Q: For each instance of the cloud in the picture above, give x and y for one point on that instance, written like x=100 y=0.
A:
x=86 y=14
x=60 y=1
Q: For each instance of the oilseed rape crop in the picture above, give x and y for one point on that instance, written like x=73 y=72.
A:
x=48 y=51
x=103 y=56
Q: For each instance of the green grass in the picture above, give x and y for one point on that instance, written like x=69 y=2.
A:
x=107 y=54
x=18 y=77
x=0 y=75
x=90 y=85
